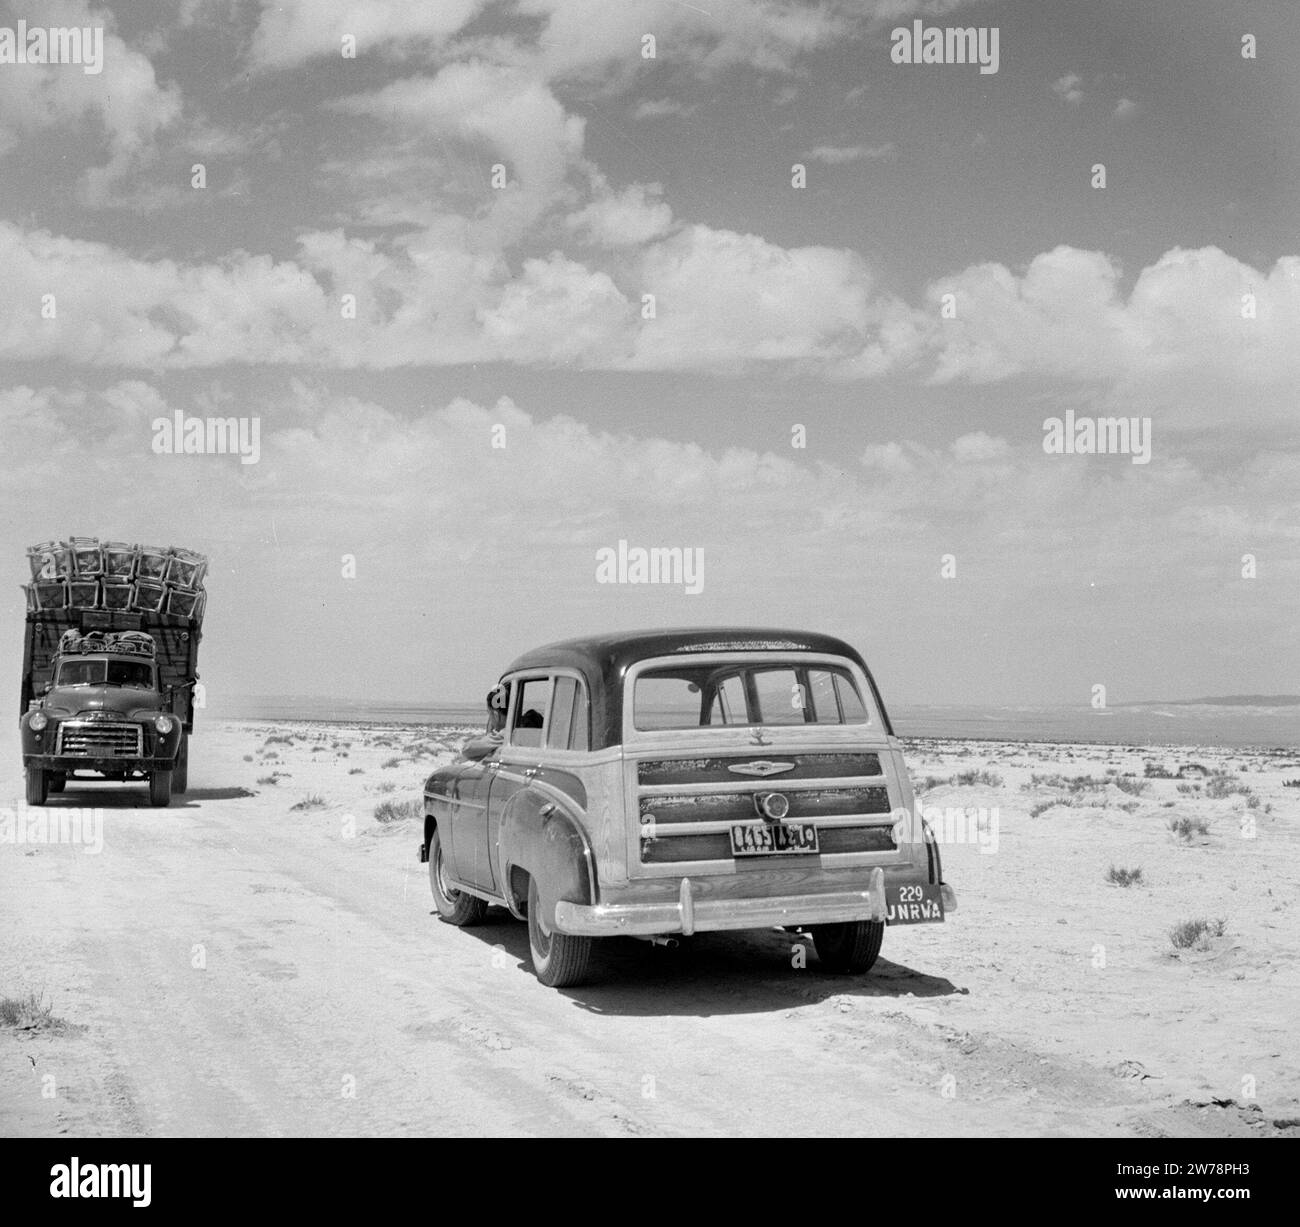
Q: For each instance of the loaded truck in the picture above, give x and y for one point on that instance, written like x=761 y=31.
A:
x=110 y=665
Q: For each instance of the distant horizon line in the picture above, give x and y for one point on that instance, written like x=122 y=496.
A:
x=1236 y=700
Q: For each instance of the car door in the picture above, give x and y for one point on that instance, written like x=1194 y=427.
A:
x=470 y=862
x=526 y=734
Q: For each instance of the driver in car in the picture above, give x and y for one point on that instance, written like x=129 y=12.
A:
x=489 y=742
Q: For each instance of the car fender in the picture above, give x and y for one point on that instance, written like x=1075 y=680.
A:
x=542 y=838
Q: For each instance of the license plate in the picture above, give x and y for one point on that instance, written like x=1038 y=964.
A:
x=913 y=904
x=773 y=839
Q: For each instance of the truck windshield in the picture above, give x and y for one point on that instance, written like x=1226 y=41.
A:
x=767 y=694
x=134 y=674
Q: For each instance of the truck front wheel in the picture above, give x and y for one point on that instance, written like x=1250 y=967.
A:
x=181 y=772
x=38 y=784
x=559 y=959
x=851 y=947
x=160 y=788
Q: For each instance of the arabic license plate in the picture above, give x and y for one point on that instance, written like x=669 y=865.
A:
x=773 y=839
x=913 y=904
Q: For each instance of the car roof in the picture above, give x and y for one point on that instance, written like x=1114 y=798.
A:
x=612 y=653
x=603 y=660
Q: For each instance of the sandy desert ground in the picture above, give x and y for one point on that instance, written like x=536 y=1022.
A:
x=261 y=959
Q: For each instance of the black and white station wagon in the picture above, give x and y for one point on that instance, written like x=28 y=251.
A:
x=681 y=781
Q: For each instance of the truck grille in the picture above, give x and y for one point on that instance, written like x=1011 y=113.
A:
x=100 y=739
x=686 y=807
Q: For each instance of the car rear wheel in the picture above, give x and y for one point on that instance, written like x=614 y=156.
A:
x=454 y=906
x=38 y=783
x=160 y=789
x=850 y=947
x=58 y=780
x=559 y=959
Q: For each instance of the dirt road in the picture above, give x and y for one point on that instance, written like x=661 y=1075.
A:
x=233 y=966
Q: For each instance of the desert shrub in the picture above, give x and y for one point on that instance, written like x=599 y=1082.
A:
x=1123 y=877
x=398 y=811
x=278 y=740
x=1154 y=771
x=1189 y=789
x=313 y=800
x=1134 y=787
x=1185 y=827
x=357 y=771
x=1221 y=785
x=269 y=779
x=29 y=1013
x=386 y=786
x=990 y=778
x=1188 y=933
x=1043 y=806
x=396 y=761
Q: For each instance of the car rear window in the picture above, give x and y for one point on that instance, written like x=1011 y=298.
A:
x=678 y=697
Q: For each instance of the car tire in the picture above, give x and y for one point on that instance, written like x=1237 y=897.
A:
x=160 y=789
x=560 y=960
x=454 y=906
x=58 y=780
x=38 y=785
x=849 y=948
x=181 y=771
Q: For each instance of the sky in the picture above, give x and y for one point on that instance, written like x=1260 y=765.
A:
x=506 y=282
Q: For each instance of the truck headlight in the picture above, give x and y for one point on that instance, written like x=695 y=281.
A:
x=37 y=721
x=163 y=724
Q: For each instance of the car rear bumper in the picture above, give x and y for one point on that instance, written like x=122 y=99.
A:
x=689 y=915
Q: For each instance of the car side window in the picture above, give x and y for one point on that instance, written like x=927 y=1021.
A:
x=578 y=734
x=557 y=735
x=530 y=712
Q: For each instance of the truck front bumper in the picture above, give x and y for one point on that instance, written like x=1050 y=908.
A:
x=691 y=915
x=80 y=762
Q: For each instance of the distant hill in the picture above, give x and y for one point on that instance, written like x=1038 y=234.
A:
x=1223 y=700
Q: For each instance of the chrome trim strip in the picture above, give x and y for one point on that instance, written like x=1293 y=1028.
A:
x=840 y=783
x=721 y=826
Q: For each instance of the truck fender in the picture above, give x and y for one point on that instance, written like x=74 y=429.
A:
x=541 y=839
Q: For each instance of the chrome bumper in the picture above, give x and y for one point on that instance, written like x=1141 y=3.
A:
x=690 y=915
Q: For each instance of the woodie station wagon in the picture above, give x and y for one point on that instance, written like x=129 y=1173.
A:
x=668 y=782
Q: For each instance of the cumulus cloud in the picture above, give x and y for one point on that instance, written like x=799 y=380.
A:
x=422 y=494
x=125 y=99
x=290 y=32
x=632 y=217
x=838 y=155
x=1065 y=315
x=1069 y=88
